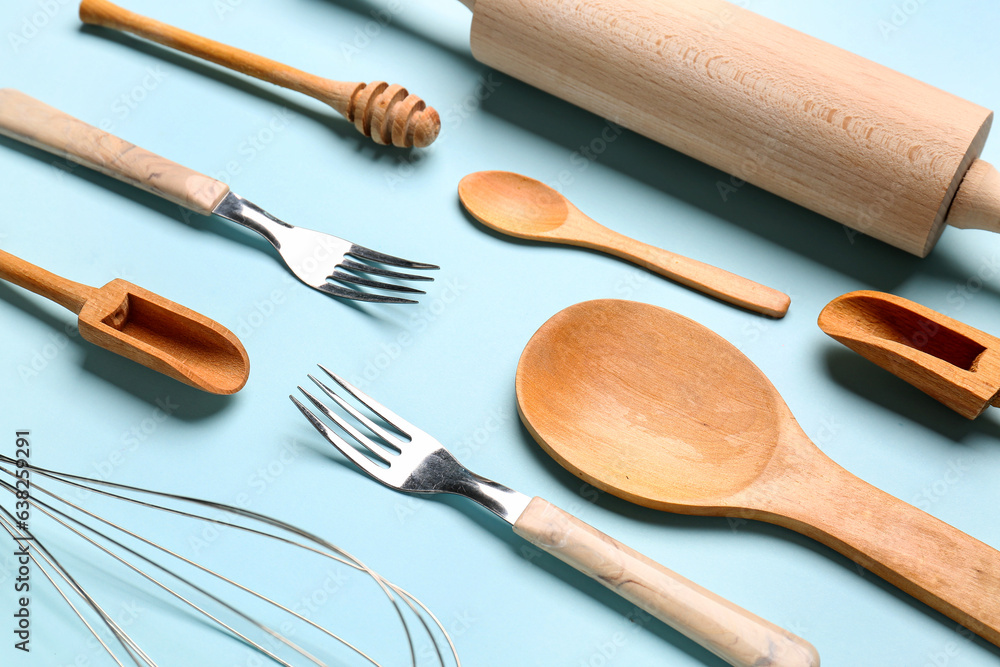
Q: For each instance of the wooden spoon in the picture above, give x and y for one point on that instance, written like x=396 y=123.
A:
x=144 y=327
x=523 y=207
x=657 y=409
x=957 y=364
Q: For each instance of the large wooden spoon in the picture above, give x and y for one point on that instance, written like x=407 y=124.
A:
x=144 y=327
x=657 y=409
x=523 y=207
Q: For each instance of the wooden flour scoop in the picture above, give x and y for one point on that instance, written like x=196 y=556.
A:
x=144 y=327
x=657 y=409
x=957 y=364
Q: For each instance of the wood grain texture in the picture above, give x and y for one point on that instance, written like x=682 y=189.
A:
x=954 y=363
x=656 y=409
x=523 y=207
x=855 y=141
x=387 y=114
x=725 y=629
x=36 y=123
x=144 y=327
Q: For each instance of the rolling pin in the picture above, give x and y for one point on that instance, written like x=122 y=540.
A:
x=860 y=143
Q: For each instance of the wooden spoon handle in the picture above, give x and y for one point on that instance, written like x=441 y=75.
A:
x=931 y=560
x=36 y=123
x=730 y=632
x=66 y=293
x=699 y=276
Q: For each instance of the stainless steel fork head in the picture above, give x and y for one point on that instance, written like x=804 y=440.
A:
x=317 y=258
x=409 y=460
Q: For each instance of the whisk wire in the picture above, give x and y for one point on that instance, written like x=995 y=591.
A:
x=396 y=595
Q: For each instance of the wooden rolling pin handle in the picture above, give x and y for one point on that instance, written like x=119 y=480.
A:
x=37 y=124
x=66 y=293
x=730 y=632
x=389 y=117
x=977 y=203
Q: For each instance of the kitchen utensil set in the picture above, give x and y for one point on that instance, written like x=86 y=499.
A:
x=314 y=257
x=635 y=399
x=705 y=432
x=829 y=130
x=523 y=207
x=408 y=459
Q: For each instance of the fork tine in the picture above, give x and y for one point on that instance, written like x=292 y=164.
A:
x=347 y=293
x=375 y=256
x=372 y=426
x=375 y=270
x=334 y=439
x=357 y=280
x=387 y=415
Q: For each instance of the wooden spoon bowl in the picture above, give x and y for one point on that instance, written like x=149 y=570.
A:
x=528 y=209
x=657 y=409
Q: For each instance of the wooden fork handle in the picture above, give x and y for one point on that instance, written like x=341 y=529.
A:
x=36 y=123
x=730 y=632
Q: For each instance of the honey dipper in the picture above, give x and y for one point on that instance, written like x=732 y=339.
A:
x=387 y=114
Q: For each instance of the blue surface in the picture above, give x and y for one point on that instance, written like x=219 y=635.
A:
x=448 y=364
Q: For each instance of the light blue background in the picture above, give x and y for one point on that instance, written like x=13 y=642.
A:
x=454 y=377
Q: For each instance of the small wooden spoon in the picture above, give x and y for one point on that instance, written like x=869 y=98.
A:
x=523 y=207
x=957 y=364
x=659 y=410
x=144 y=327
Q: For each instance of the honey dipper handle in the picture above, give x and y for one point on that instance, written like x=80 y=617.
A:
x=387 y=114
x=727 y=630
x=110 y=15
x=37 y=124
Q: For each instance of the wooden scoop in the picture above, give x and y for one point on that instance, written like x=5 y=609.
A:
x=957 y=364
x=144 y=327
x=523 y=207
x=657 y=409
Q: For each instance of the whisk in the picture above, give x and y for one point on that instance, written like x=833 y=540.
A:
x=193 y=595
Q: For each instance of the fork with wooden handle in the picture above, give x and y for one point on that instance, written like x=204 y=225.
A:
x=387 y=114
x=417 y=463
x=317 y=259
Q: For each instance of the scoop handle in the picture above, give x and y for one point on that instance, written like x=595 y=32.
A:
x=37 y=124
x=65 y=292
x=931 y=560
x=730 y=632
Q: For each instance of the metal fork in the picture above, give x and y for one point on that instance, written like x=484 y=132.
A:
x=315 y=258
x=410 y=460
